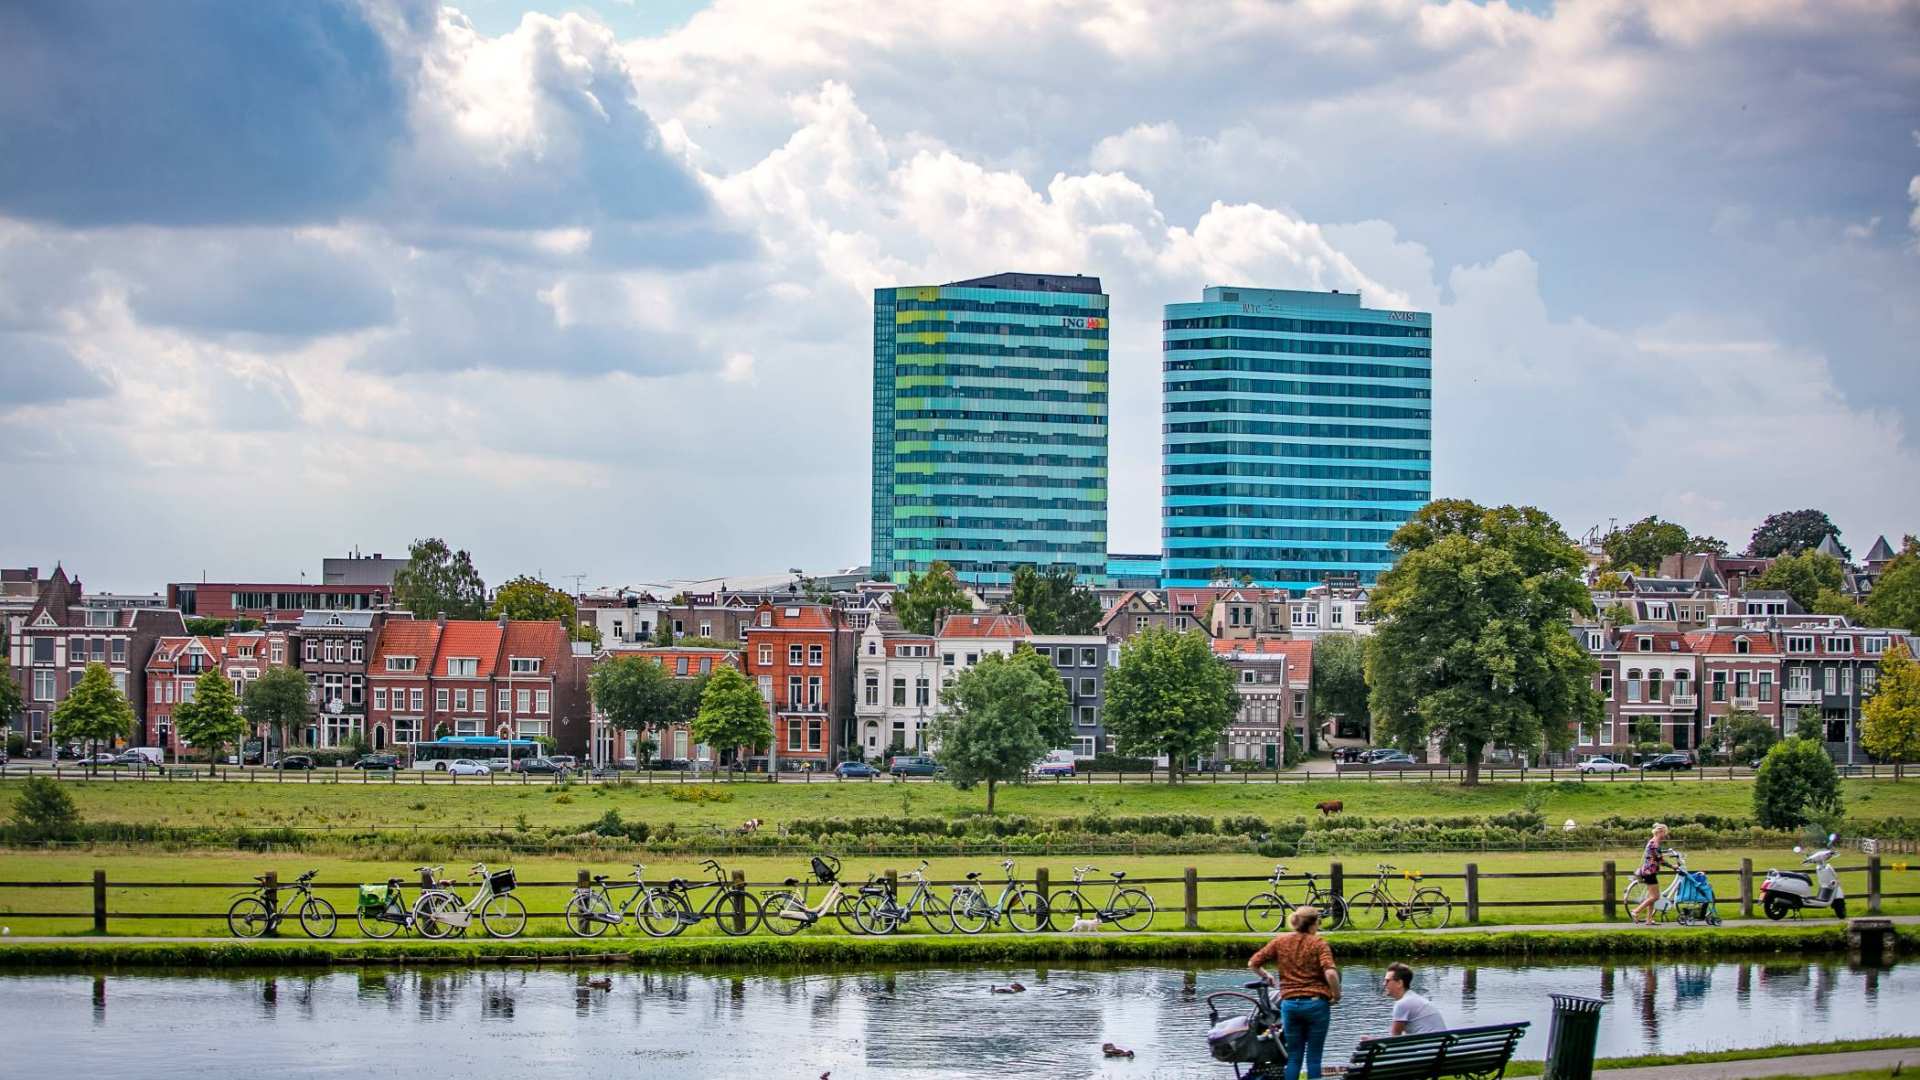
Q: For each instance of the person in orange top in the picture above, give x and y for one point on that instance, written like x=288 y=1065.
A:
x=1309 y=985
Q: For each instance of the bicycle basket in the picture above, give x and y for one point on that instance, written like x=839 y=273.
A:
x=373 y=897
x=501 y=881
x=826 y=869
x=1234 y=1040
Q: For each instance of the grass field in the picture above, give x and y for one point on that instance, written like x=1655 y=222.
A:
x=509 y=803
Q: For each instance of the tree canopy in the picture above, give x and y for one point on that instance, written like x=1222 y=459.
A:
x=732 y=714
x=1169 y=695
x=1890 y=728
x=1641 y=545
x=1796 y=784
x=1793 y=530
x=637 y=693
x=927 y=596
x=9 y=696
x=1473 y=641
x=1051 y=603
x=1895 y=599
x=438 y=579
x=1803 y=575
x=528 y=599
x=1744 y=736
x=212 y=719
x=94 y=712
x=277 y=700
x=1706 y=545
x=999 y=717
x=1340 y=676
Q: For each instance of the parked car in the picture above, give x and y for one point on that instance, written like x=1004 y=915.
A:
x=1669 y=763
x=294 y=761
x=131 y=759
x=912 y=765
x=1603 y=765
x=1053 y=768
x=855 y=769
x=467 y=767
x=539 y=766
x=567 y=760
x=378 y=761
x=1391 y=759
x=96 y=759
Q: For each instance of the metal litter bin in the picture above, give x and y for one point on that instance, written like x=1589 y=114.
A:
x=1573 y=1038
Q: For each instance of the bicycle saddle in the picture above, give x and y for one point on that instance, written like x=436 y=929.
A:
x=392 y=881
x=677 y=883
x=975 y=876
x=793 y=883
x=1119 y=875
x=600 y=879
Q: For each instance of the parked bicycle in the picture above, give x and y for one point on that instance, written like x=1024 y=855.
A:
x=788 y=911
x=671 y=909
x=881 y=911
x=439 y=912
x=382 y=910
x=592 y=910
x=1024 y=909
x=256 y=913
x=1426 y=909
x=1129 y=908
x=1268 y=912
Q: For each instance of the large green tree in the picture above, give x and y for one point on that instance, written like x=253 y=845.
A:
x=212 y=719
x=1051 y=603
x=1803 y=575
x=1793 y=530
x=528 y=599
x=1640 y=546
x=439 y=580
x=277 y=700
x=1340 y=676
x=1890 y=728
x=95 y=711
x=9 y=696
x=999 y=717
x=1169 y=695
x=1795 y=784
x=637 y=693
x=1744 y=736
x=1472 y=641
x=1706 y=545
x=732 y=713
x=1895 y=599
x=926 y=597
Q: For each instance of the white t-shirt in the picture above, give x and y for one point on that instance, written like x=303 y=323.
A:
x=1420 y=1015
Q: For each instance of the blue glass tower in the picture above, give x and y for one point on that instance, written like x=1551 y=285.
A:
x=990 y=427
x=1297 y=435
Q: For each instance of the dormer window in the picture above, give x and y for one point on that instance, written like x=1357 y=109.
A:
x=1839 y=645
x=1644 y=644
x=523 y=665
x=399 y=663
x=766 y=618
x=1740 y=646
x=462 y=666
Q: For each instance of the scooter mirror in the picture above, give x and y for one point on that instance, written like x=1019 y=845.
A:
x=1832 y=836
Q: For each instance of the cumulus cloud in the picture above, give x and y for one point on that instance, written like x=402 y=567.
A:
x=38 y=371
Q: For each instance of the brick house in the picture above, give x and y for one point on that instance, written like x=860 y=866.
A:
x=676 y=742
x=272 y=603
x=334 y=649
x=51 y=644
x=172 y=674
x=802 y=658
x=434 y=678
x=1274 y=677
x=1656 y=683
x=1739 y=670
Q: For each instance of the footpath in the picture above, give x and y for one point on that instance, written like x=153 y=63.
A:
x=1799 y=1065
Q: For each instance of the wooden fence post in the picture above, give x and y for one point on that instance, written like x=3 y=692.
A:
x=99 y=901
x=739 y=901
x=1193 y=898
x=1042 y=882
x=1746 y=888
x=1473 y=893
x=272 y=888
x=1337 y=880
x=893 y=883
x=583 y=880
x=1609 y=898
x=1873 y=884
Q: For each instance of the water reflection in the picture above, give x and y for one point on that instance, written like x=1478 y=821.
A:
x=897 y=1023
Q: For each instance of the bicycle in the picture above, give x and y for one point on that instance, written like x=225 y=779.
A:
x=384 y=912
x=1269 y=911
x=670 y=910
x=1636 y=890
x=882 y=912
x=592 y=910
x=439 y=912
x=1023 y=909
x=1131 y=909
x=254 y=914
x=1427 y=909
x=787 y=910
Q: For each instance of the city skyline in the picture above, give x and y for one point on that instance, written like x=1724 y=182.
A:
x=577 y=285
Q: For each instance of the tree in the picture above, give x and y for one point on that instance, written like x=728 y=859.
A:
x=1895 y=599
x=439 y=580
x=663 y=632
x=528 y=599
x=1890 y=729
x=1050 y=602
x=1706 y=545
x=1473 y=640
x=1796 y=783
x=1803 y=575
x=1340 y=677
x=212 y=719
x=732 y=713
x=1793 y=530
x=1609 y=582
x=637 y=693
x=999 y=717
x=1744 y=736
x=1170 y=695
x=204 y=627
x=9 y=696
x=95 y=711
x=928 y=596
x=1618 y=613
x=44 y=809
x=1641 y=545
x=1835 y=602
x=277 y=700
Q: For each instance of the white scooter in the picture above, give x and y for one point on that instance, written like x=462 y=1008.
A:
x=1787 y=891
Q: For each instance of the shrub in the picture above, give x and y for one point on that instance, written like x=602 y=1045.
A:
x=44 y=810
x=694 y=793
x=1796 y=783
x=16 y=744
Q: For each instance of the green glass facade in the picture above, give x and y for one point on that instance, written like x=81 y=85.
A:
x=990 y=427
x=1297 y=435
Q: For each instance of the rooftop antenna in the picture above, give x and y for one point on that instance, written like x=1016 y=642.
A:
x=579 y=581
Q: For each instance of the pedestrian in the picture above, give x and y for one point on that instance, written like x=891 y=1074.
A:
x=1309 y=985
x=1413 y=1014
x=1649 y=874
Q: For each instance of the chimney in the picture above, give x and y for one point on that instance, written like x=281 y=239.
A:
x=503 y=620
x=440 y=618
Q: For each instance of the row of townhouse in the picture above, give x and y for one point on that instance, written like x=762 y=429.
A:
x=432 y=678
x=174 y=670
x=52 y=641
x=1238 y=612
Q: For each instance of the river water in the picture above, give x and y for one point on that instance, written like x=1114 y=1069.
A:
x=479 y=1024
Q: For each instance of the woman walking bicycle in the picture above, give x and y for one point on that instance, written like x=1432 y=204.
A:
x=1309 y=985
x=1647 y=878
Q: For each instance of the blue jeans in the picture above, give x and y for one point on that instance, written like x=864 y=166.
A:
x=1303 y=1029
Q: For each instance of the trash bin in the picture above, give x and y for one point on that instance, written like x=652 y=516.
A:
x=1573 y=1038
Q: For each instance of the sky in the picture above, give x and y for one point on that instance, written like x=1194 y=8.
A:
x=587 y=289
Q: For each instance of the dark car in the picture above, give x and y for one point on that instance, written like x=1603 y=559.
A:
x=297 y=761
x=855 y=769
x=378 y=761
x=912 y=765
x=1669 y=763
x=539 y=766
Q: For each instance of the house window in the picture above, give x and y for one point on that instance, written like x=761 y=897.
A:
x=873 y=648
x=1799 y=644
x=1876 y=646
x=1644 y=644
x=1832 y=680
x=1719 y=686
x=1045 y=651
x=1800 y=678
x=380 y=697
x=1606 y=686
x=946 y=659
x=1766 y=686
x=1140 y=622
x=542 y=701
x=523 y=701
x=1869 y=678
x=1840 y=645
x=766 y=618
x=44 y=685
x=313 y=652
x=440 y=700
x=1653 y=685
x=1299 y=704
x=794 y=734
x=679 y=628
x=813 y=691
x=394 y=663
x=462 y=667
x=1089 y=658
x=523 y=665
x=1740 y=646
x=120 y=649
x=416 y=699
x=922 y=691
x=796 y=654
x=1087 y=688
x=357 y=650
x=43 y=650
x=1742 y=685
x=1246 y=675
x=680 y=665
x=1089 y=716
x=766 y=656
x=460 y=700
x=872 y=689
x=973 y=658
x=706 y=629
x=815 y=656
x=1065 y=658
x=1633 y=685
x=793 y=692
x=1846 y=681
x=506 y=700
x=813 y=735
x=187 y=690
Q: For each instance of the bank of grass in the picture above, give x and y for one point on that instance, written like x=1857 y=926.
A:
x=1757 y=1053
x=142 y=880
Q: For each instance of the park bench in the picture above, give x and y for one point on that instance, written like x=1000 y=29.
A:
x=1478 y=1053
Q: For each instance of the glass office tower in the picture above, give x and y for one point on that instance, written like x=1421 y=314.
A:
x=1297 y=435
x=990 y=427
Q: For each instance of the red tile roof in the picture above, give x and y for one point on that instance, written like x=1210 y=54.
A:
x=545 y=639
x=1759 y=642
x=1294 y=648
x=406 y=637
x=473 y=638
x=985 y=626
x=796 y=617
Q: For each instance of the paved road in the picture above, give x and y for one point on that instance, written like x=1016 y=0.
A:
x=1801 y=1065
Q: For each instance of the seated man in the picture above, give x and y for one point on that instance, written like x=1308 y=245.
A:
x=1413 y=1014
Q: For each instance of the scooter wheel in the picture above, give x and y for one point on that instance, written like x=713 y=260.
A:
x=1775 y=908
x=1840 y=908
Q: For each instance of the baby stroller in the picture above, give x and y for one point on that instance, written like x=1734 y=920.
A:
x=1250 y=1042
x=1689 y=897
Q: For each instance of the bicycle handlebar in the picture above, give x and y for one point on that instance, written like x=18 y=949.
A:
x=429 y=869
x=1384 y=868
x=1085 y=869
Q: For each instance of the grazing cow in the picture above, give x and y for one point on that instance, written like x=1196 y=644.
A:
x=1330 y=807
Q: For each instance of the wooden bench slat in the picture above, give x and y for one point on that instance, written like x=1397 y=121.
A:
x=1480 y=1051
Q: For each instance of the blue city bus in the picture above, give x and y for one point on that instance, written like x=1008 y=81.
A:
x=485 y=749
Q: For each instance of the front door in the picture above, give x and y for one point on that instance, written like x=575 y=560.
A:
x=1272 y=755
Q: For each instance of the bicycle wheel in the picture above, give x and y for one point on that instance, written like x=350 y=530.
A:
x=1368 y=911
x=249 y=917
x=427 y=907
x=875 y=916
x=587 y=914
x=783 y=912
x=1026 y=911
x=1429 y=909
x=746 y=921
x=1333 y=910
x=1266 y=913
x=664 y=914
x=969 y=911
x=317 y=918
x=1132 y=910
x=373 y=925
x=847 y=912
x=1064 y=908
x=503 y=916
x=939 y=918
x=1635 y=893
